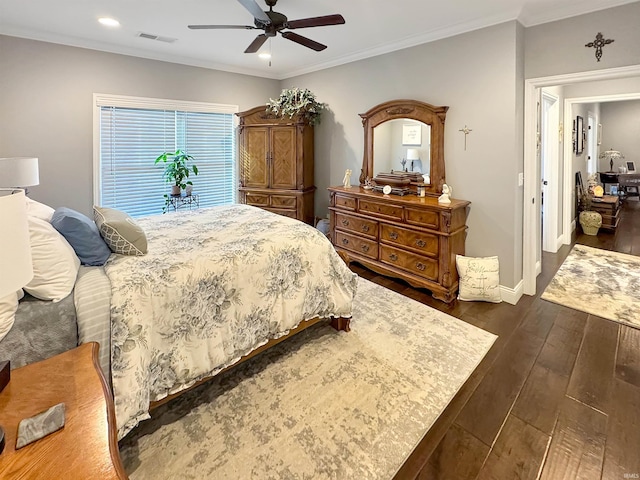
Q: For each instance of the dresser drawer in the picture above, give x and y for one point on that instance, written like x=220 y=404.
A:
x=423 y=218
x=345 y=202
x=256 y=199
x=417 y=264
x=357 y=225
x=283 y=201
x=387 y=210
x=283 y=212
x=365 y=247
x=423 y=242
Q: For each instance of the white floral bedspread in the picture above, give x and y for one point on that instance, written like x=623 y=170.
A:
x=216 y=284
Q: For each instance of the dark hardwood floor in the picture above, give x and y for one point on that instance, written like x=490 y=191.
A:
x=557 y=396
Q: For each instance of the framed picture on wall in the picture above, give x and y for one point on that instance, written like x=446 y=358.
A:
x=579 y=135
x=631 y=167
x=412 y=135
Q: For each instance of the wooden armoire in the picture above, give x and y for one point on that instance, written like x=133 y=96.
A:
x=276 y=163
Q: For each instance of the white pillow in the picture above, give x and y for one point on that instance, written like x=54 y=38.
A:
x=479 y=278
x=55 y=263
x=8 y=307
x=39 y=210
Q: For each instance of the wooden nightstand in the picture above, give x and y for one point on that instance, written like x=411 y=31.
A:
x=87 y=446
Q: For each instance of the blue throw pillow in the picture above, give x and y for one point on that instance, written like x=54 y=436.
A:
x=82 y=234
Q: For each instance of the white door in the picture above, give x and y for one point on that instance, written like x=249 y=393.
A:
x=550 y=171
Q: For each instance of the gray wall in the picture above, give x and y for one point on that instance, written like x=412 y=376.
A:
x=46 y=94
x=480 y=90
x=559 y=47
x=621 y=130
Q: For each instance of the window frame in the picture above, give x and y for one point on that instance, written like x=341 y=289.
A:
x=125 y=101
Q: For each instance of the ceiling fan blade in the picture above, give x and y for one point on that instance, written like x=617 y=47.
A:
x=307 y=42
x=255 y=10
x=256 y=44
x=316 y=21
x=214 y=27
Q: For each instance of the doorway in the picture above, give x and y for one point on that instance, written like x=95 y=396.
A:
x=550 y=171
x=532 y=193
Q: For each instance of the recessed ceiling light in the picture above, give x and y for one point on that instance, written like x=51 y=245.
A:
x=264 y=55
x=109 y=22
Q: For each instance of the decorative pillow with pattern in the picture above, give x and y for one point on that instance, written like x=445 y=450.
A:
x=479 y=278
x=120 y=231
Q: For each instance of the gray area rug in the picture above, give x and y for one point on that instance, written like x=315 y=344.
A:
x=599 y=282
x=321 y=405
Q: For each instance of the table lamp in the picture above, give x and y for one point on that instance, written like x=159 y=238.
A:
x=15 y=259
x=611 y=155
x=414 y=156
x=19 y=172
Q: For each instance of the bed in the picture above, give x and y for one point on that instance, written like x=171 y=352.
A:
x=216 y=285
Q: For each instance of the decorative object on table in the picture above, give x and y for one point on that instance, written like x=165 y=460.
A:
x=599 y=282
x=403 y=162
x=631 y=167
x=613 y=190
x=622 y=169
x=346 y=181
x=297 y=102
x=19 y=172
x=598 y=191
x=466 y=130
x=40 y=425
x=421 y=190
x=598 y=43
x=386 y=189
x=188 y=190
x=426 y=178
x=397 y=179
x=590 y=221
x=176 y=171
x=446 y=194
x=413 y=156
x=579 y=135
x=15 y=264
x=479 y=278
x=368 y=183
x=611 y=155
x=412 y=134
x=592 y=182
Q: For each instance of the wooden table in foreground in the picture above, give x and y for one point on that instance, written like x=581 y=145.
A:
x=87 y=446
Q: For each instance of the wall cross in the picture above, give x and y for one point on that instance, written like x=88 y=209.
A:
x=466 y=130
x=598 y=43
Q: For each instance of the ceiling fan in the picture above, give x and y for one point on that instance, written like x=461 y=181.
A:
x=273 y=22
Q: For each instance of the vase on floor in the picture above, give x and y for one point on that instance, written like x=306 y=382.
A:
x=590 y=222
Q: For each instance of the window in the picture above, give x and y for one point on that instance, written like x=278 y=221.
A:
x=131 y=132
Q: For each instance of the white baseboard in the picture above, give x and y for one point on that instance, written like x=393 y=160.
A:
x=538 y=268
x=512 y=295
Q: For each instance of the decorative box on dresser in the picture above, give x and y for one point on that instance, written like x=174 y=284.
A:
x=276 y=163
x=408 y=237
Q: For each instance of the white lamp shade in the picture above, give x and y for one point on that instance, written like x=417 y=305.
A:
x=413 y=154
x=19 y=172
x=16 y=269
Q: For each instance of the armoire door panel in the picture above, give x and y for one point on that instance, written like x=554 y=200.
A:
x=283 y=157
x=254 y=158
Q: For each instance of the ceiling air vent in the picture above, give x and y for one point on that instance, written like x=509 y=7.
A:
x=151 y=36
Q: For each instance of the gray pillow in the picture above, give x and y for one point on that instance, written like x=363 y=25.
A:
x=82 y=234
x=120 y=231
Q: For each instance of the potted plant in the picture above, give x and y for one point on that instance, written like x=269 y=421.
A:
x=176 y=170
x=295 y=101
x=590 y=221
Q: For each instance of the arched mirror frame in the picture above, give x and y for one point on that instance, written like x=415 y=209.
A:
x=414 y=110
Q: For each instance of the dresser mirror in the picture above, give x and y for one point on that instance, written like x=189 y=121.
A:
x=405 y=135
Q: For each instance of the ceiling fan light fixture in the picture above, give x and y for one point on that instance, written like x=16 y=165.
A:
x=265 y=55
x=109 y=22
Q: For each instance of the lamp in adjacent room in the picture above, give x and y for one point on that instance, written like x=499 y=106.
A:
x=413 y=155
x=611 y=155
x=19 y=172
x=15 y=260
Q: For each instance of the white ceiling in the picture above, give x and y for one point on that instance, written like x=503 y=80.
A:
x=372 y=27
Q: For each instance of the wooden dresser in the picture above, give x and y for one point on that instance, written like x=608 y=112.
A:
x=276 y=163
x=408 y=237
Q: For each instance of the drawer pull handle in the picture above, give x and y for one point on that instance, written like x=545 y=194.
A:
x=345 y=222
x=365 y=228
x=393 y=257
x=393 y=235
x=365 y=247
x=421 y=243
x=421 y=266
x=345 y=241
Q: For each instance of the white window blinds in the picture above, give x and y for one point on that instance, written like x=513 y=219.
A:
x=133 y=132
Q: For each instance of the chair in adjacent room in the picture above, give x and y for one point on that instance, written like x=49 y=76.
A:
x=630 y=184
